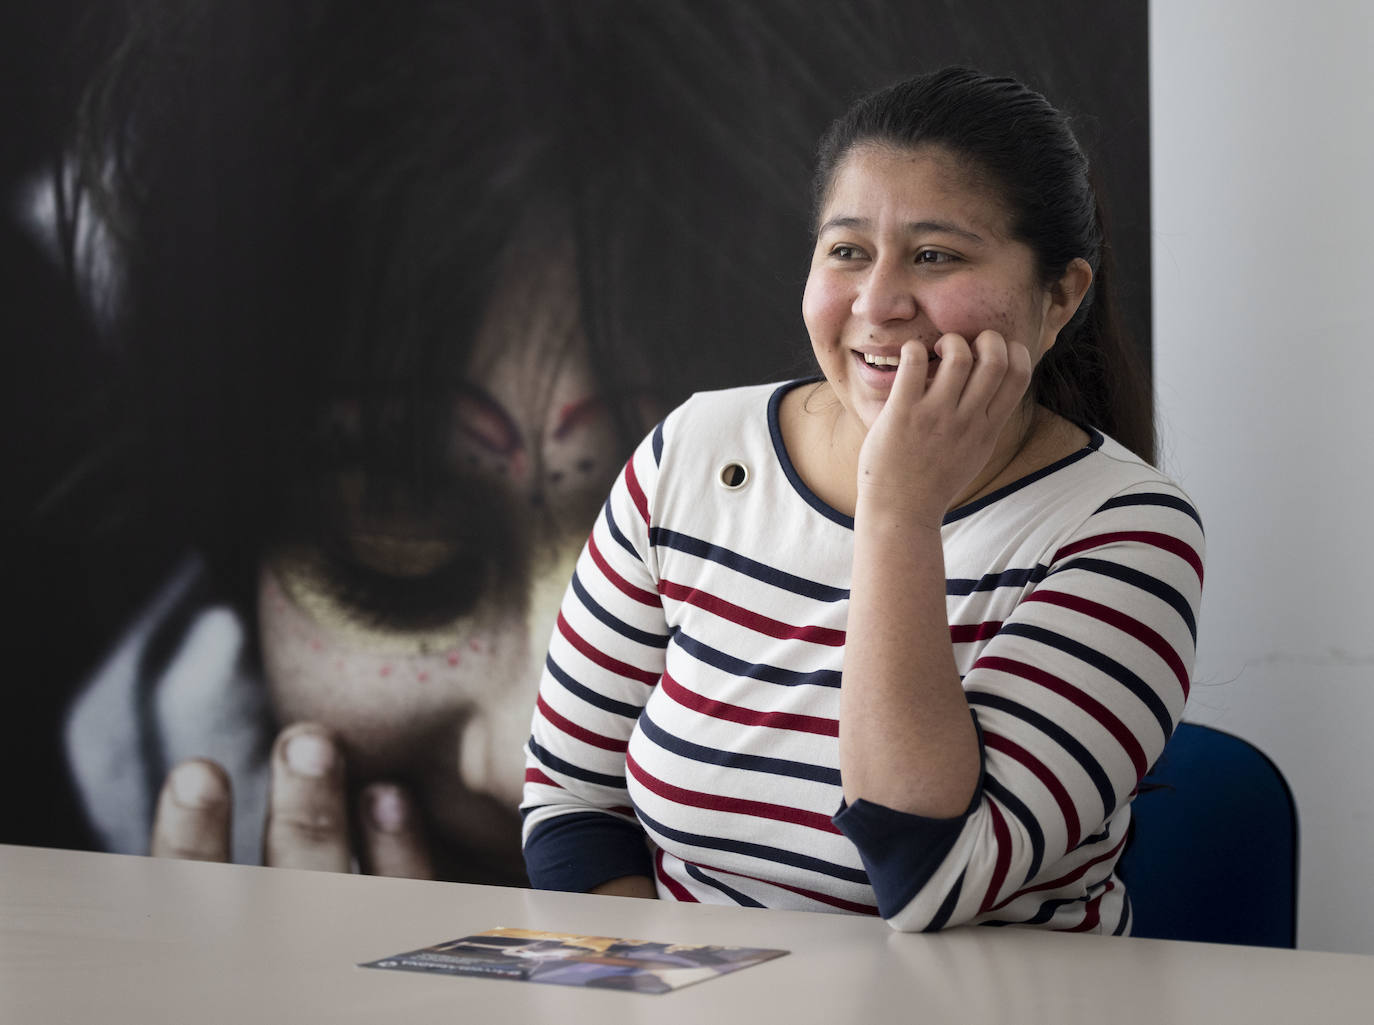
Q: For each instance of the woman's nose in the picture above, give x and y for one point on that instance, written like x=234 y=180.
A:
x=885 y=295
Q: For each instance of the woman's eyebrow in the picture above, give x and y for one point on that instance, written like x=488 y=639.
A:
x=911 y=227
x=942 y=228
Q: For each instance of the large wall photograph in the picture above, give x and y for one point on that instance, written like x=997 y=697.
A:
x=328 y=327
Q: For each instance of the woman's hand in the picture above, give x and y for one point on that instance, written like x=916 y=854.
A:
x=907 y=740
x=934 y=438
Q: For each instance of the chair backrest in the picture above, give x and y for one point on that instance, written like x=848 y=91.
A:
x=1214 y=851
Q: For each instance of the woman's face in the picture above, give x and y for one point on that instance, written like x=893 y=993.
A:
x=912 y=246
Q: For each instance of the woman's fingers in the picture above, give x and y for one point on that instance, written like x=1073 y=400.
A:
x=910 y=383
x=987 y=377
x=1012 y=387
x=952 y=373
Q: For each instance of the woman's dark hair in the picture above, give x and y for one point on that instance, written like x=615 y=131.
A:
x=1010 y=136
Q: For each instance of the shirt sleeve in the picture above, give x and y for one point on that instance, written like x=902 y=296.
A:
x=1075 y=696
x=605 y=656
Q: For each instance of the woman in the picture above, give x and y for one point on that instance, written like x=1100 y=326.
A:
x=939 y=594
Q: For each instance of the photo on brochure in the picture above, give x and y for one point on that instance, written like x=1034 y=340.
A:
x=566 y=959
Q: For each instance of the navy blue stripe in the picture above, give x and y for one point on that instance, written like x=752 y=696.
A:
x=1125 y=921
x=1097 y=660
x=991 y=582
x=1152 y=585
x=552 y=761
x=1017 y=808
x=608 y=517
x=734 y=759
x=1094 y=443
x=1071 y=744
x=947 y=906
x=625 y=630
x=751 y=670
x=739 y=898
x=1167 y=501
x=658 y=443
x=1046 y=912
x=1049 y=907
x=588 y=695
x=776 y=855
x=662 y=537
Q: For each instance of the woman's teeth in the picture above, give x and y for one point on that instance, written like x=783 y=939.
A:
x=881 y=361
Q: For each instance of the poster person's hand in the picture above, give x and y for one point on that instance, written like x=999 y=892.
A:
x=308 y=823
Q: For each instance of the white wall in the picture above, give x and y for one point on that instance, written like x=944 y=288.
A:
x=1262 y=117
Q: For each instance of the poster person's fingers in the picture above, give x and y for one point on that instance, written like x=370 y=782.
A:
x=393 y=837
x=307 y=818
x=194 y=810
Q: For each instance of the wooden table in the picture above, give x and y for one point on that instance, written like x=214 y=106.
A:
x=110 y=939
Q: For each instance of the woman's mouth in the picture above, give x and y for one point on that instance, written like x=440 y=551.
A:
x=879 y=368
x=881 y=362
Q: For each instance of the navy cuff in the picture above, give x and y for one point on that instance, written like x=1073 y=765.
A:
x=901 y=851
x=582 y=850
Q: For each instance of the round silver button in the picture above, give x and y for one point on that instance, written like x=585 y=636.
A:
x=733 y=476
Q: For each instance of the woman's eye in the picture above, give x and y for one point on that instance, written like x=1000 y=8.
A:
x=844 y=252
x=935 y=256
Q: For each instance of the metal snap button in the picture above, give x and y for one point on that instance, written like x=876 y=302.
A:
x=733 y=476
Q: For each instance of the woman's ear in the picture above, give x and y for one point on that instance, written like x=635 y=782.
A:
x=1063 y=299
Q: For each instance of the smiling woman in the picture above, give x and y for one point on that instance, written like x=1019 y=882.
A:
x=918 y=664
x=914 y=255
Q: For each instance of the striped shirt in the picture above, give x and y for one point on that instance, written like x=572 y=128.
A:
x=687 y=720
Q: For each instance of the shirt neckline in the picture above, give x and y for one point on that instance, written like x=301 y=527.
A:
x=1095 y=441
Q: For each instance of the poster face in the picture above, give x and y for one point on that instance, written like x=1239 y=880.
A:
x=567 y=959
x=314 y=405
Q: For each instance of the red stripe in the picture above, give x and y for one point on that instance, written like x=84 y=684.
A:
x=636 y=492
x=748 y=716
x=752 y=620
x=620 y=583
x=535 y=776
x=1124 y=623
x=1045 y=776
x=580 y=732
x=678 y=891
x=1002 y=837
x=729 y=805
x=1065 y=880
x=1092 y=911
x=966 y=632
x=1166 y=542
x=824 y=898
x=1092 y=706
x=599 y=657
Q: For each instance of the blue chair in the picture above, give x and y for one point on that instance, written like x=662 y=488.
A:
x=1213 y=855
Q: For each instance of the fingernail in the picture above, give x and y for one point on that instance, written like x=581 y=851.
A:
x=309 y=754
x=386 y=808
x=196 y=785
